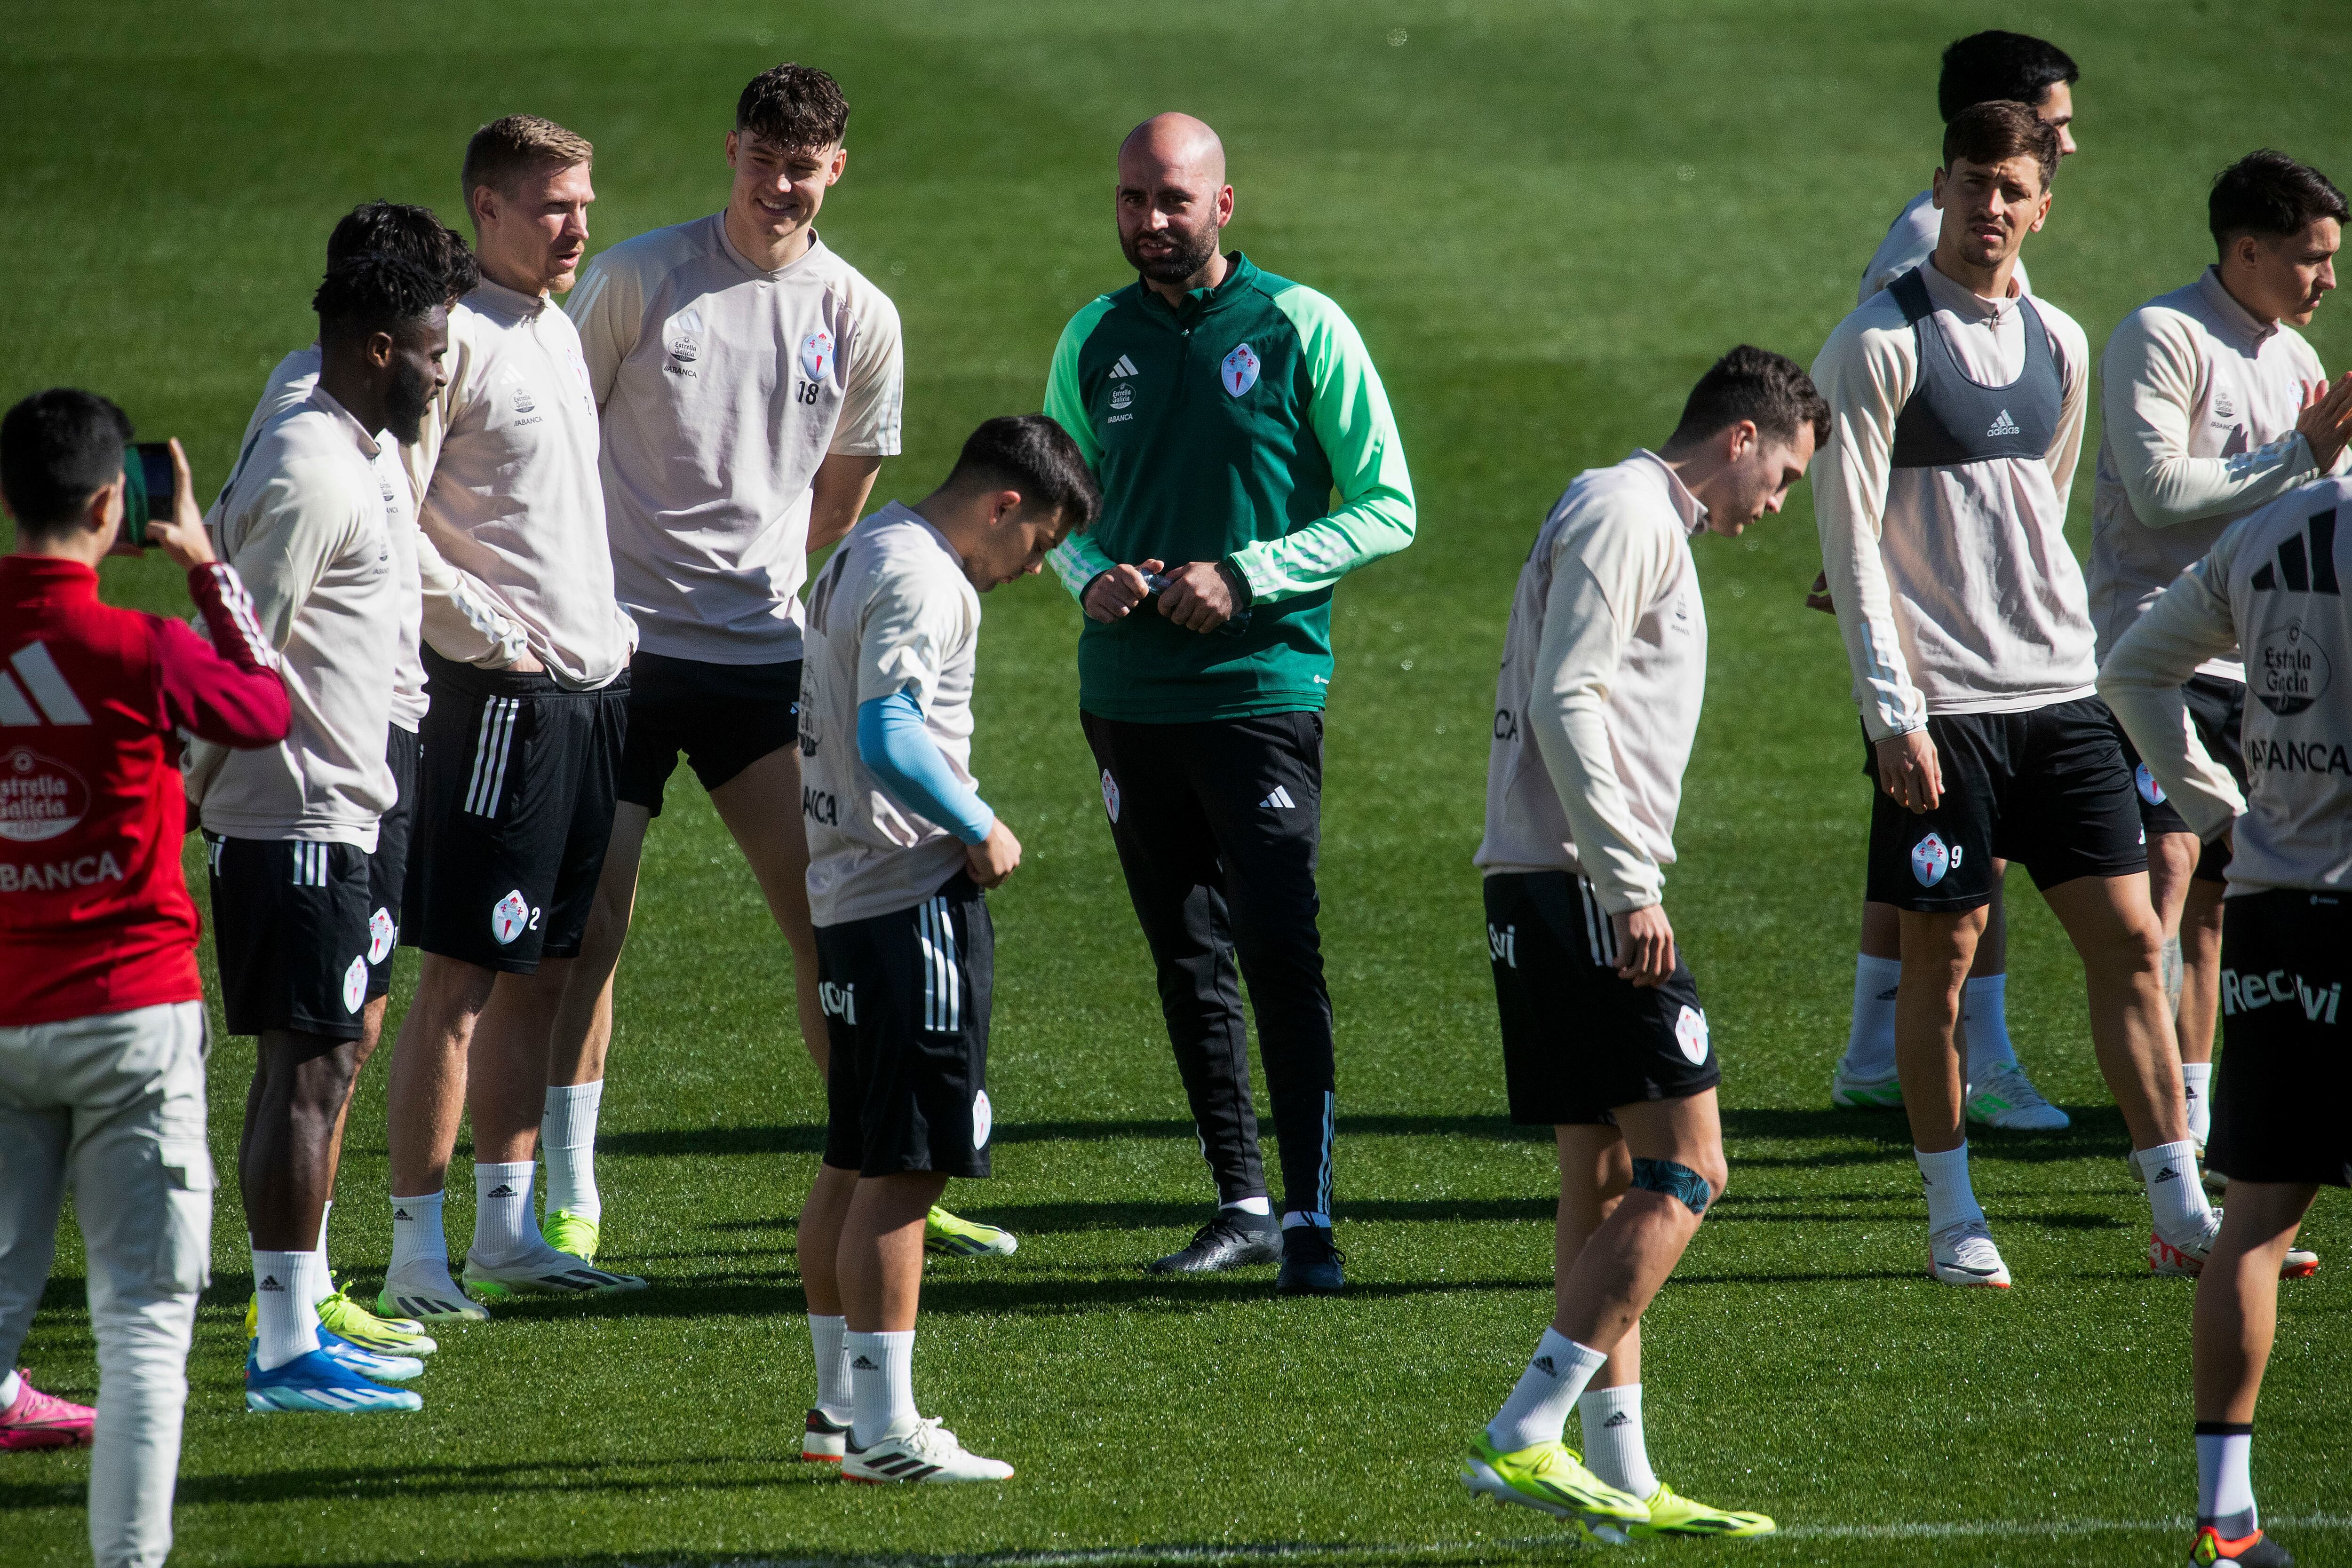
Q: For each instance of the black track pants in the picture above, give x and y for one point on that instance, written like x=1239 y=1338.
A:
x=1217 y=826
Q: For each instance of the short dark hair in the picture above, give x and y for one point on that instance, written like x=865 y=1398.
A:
x=2268 y=193
x=1985 y=67
x=796 y=107
x=413 y=234
x=1756 y=384
x=1994 y=133
x=375 y=293
x=57 y=448
x=1031 y=454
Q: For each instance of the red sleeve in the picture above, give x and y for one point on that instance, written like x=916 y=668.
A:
x=228 y=693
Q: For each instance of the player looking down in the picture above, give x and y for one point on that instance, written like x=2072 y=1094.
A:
x=1958 y=405
x=2270 y=591
x=1204 y=710
x=1983 y=68
x=289 y=831
x=900 y=848
x=2214 y=404
x=515 y=794
x=1604 y=1037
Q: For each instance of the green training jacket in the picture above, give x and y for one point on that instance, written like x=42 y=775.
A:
x=1219 y=433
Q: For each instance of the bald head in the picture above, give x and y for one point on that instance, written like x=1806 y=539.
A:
x=1173 y=203
x=1173 y=144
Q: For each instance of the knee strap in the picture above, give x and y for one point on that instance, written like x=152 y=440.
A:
x=1675 y=1181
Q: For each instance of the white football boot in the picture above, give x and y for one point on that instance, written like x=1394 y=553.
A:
x=928 y=1453
x=1963 y=1254
x=2008 y=1099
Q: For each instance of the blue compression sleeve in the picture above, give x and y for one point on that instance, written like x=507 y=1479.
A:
x=901 y=754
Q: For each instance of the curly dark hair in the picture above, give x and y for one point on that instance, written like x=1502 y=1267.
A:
x=798 y=108
x=375 y=293
x=413 y=234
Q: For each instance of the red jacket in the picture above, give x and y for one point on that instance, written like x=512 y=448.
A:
x=95 y=916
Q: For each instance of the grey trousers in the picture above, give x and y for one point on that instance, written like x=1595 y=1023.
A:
x=114 y=1107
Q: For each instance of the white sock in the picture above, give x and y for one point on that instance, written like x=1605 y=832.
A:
x=567 y=1137
x=2197 y=1078
x=1537 y=1411
x=881 y=1385
x=417 y=1236
x=2174 y=1197
x=1950 y=1198
x=1870 y=1046
x=829 y=1338
x=1614 y=1446
x=1984 y=1016
x=1261 y=1206
x=2225 y=1483
x=326 y=1274
x=283 y=1287
x=10 y=1387
x=502 y=1227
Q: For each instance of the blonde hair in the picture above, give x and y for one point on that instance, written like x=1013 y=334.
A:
x=505 y=150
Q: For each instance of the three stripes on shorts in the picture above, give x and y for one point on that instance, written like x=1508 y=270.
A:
x=491 y=749
x=942 y=983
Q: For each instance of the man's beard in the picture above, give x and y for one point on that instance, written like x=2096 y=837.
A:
x=404 y=403
x=1191 y=253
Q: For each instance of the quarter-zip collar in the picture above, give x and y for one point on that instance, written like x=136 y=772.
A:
x=1240 y=272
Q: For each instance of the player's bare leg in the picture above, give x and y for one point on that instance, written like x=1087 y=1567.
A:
x=762 y=809
x=1938 y=949
x=818 y=1243
x=580 y=1040
x=2236 y=1321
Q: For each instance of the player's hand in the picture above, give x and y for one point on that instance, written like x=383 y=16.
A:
x=182 y=537
x=995 y=857
x=1910 y=771
x=2326 y=420
x=1645 y=945
x=526 y=665
x=1114 y=594
x=1198 y=598
x=1817 y=596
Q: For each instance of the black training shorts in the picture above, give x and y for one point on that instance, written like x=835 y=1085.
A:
x=2048 y=788
x=2217 y=708
x=906 y=1000
x=388 y=867
x=291 y=929
x=2282 y=1093
x=724 y=717
x=1577 y=1041
x=514 y=809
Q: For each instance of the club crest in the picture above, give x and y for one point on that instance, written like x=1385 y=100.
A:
x=355 y=985
x=1110 y=795
x=1239 y=370
x=509 y=916
x=1930 y=860
x=1690 y=1033
x=2149 y=789
x=381 y=934
x=816 y=354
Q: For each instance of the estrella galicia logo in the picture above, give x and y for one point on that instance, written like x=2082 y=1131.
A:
x=523 y=404
x=1122 y=395
x=1930 y=858
x=2145 y=782
x=2288 y=672
x=1239 y=369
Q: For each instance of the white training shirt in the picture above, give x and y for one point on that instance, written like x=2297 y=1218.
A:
x=1910 y=241
x=303 y=522
x=1955 y=589
x=468 y=618
x=2269 y=587
x=892 y=608
x=723 y=386
x=2199 y=400
x=507 y=467
x=1604 y=669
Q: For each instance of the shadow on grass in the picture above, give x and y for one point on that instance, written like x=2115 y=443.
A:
x=382 y=1485
x=808 y=1138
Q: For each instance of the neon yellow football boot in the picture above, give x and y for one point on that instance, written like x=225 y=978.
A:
x=340 y=1314
x=945 y=1234
x=1550 y=1477
x=574 y=1233
x=1671 y=1513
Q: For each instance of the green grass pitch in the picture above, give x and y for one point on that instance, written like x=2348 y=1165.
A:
x=1547 y=219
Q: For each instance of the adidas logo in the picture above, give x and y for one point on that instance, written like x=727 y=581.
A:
x=402 y=1214
x=1545 y=1365
x=2302 y=570
x=1890 y=993
x=1619 y=1419
x=2166 y=1175
x=502 y=1190
x=270 y=1282
x=1279 y=800
x=863 y=1363
x=1124 y=367
x=2003 y=425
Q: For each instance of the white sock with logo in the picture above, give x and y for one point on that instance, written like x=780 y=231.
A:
x=2196 y=1079
x=1615 y=1449
x=1537 y=1411
x=502 y=1227
x=288 y=1306
x=567 y=1136
x=829 y=1338
x=2174 y=1197
x=1984 y=1016
x=1870 y=1046
x=418 y=1239
x=1950 y=1198
x=881 y=1385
